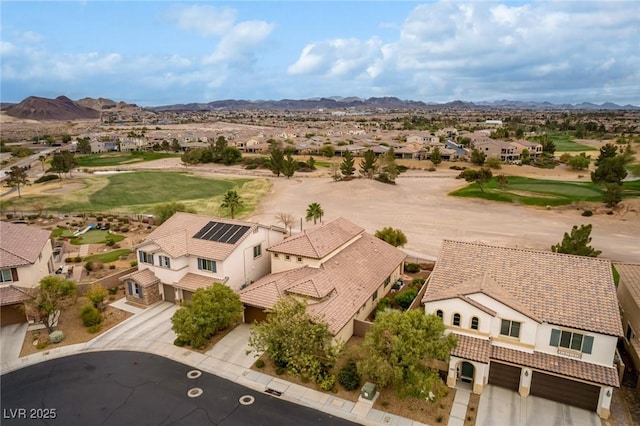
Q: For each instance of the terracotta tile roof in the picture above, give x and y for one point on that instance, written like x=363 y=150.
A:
x=175 y=237
x=145 y=277
x=561 y=289
x=630 y=278
x=336 y=290
x=472 y=348
x=319 y=241
x=559 y=365
x=20 y=245
x=11 y=294
x=192 y=282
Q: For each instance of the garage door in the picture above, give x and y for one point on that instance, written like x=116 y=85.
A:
x=503 y=375
x=169 y=293
x=12 y=314
x=566 y=391
x=253 y=314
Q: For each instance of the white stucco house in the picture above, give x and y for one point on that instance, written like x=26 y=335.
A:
x=191 y=251
x=536 y=322
x=629 y=300
x=25 y=258
x=338 y=269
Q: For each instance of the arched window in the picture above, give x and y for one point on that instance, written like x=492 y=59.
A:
x=439 y=313
x=475 y=323
x=456 y=320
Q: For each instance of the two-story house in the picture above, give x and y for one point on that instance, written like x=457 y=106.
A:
x=191 y=251
x=537 y=322
x=629 y=300
x=338 y=269
x=25 y=258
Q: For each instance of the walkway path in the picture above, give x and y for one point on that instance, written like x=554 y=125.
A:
x=459 y=408
x=150 y=331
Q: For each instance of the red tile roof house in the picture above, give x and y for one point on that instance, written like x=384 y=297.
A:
x=191 y=251
x=629 y=300
x=337 y=268
x=25 y=258
x=540 y=323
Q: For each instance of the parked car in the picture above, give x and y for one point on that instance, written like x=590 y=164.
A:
x=398 y=284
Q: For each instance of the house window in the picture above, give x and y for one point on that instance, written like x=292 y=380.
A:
x=276 y=255
x=165 y=261
x=135 y=289
x=569 y=340
x=375 y=296
x=257 y=251
x=439 y=313
x=387 y=281
x=299 y=259
x=474 y=323
x=145 y=257
x=510 y=328
x=5 y=276
x=456 y=320
x=629 y=334
x=206 y=265
x=287 y=257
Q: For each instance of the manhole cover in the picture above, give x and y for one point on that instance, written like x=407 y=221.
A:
x=194 y=374
x=247 y=400
x=194 y=392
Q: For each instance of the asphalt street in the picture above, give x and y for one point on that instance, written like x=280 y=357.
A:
x=127 y=388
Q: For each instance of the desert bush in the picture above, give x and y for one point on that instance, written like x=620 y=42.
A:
x=124 y=229
x=279 y=371
x=431 y=169
x=77 y=259
x=42 y=345
x=90 y=316
x=179 y=342
x=46 y=178
x=587 y=213
x=89 y=266
x=405 y=299
x=94 y=328
x=133 y=263
x=349 y=377
x=327 y=382
x=411 y=268
x=260 y=363
x=56 y=337
x=69 y=260
x=96 y=294
x=112 y=266
x=383 y=304
x=112 y=290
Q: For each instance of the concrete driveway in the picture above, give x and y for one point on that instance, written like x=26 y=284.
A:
x=11 y=339
x=503 y=407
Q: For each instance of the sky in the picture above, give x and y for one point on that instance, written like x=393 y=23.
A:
x=154 y=53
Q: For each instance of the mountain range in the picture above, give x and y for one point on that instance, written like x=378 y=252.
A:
x=63 y=108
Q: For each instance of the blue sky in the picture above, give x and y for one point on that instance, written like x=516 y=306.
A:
x=165 y=52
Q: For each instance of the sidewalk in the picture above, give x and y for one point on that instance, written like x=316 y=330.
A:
x=150 y=331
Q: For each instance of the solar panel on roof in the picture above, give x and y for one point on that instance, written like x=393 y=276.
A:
x=221 y=232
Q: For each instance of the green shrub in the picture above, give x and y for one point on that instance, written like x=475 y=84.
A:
x=349 y=377
x=587 y=213
x=327 y=382
x=96 y=294
x=279 y=371
x=90 y=316
x=42 y=345
x=56 y=337
x=383 y=304
x=260 y=363
x=124 y=229
x=112 y=290
x=133 y=263
x=405 y=299
x=68 y=260
x=179 y=342
x=94 y=328
x=411 y=268
x=77 y=259
x=440 y=418
x=88 y=266
x=46 y=178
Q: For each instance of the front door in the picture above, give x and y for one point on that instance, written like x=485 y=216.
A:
x=466 y=372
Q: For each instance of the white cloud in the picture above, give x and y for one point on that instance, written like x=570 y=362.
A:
x=204 y=20
x=238 y=44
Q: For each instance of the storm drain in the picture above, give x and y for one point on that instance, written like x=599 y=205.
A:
x=194 y=374
x=194 y=392
x=247 y=400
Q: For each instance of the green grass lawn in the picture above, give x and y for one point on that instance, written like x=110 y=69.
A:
x=118 y=158
x=94 y=236
x=110 y=256
x=565 y=143
x=537 y=192
x=140 y=192
x=634 y=169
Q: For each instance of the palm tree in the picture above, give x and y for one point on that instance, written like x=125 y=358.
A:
x=315 y=212
x=232 y=202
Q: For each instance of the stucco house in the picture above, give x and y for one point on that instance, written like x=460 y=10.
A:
x=25 y=258
x=191 y=251
x=337 y=268
x=629 y=300
x=536 y=322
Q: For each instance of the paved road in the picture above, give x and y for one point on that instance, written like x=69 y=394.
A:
x=127 y=388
